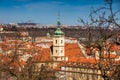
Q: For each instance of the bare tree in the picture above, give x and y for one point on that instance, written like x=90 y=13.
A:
x=103 y=18
x=14 y=66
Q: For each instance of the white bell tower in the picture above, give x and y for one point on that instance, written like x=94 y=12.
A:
x=58 y=53
x=58 y=43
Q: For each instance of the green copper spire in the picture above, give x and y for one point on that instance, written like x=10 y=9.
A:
x=58 y=21
x=48 y=34
x=58 y=31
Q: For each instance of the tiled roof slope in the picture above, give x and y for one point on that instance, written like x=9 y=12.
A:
x=113 y=47
x=44 y=55
x=73 y=50
x=84 y=60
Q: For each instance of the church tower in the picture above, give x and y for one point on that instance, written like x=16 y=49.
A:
x=58 y=53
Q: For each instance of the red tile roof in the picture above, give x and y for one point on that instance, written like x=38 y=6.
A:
x=43 y=55
x=12 y=63
x=112 y=47
x=73 y=50
x=84 y=60
x=112 y=56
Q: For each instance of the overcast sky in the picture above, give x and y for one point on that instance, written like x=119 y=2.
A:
x=46 y=11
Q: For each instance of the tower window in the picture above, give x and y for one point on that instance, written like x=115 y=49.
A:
x=61 y=41
x=61 y=51
x=56 y=51
x=56 y=41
